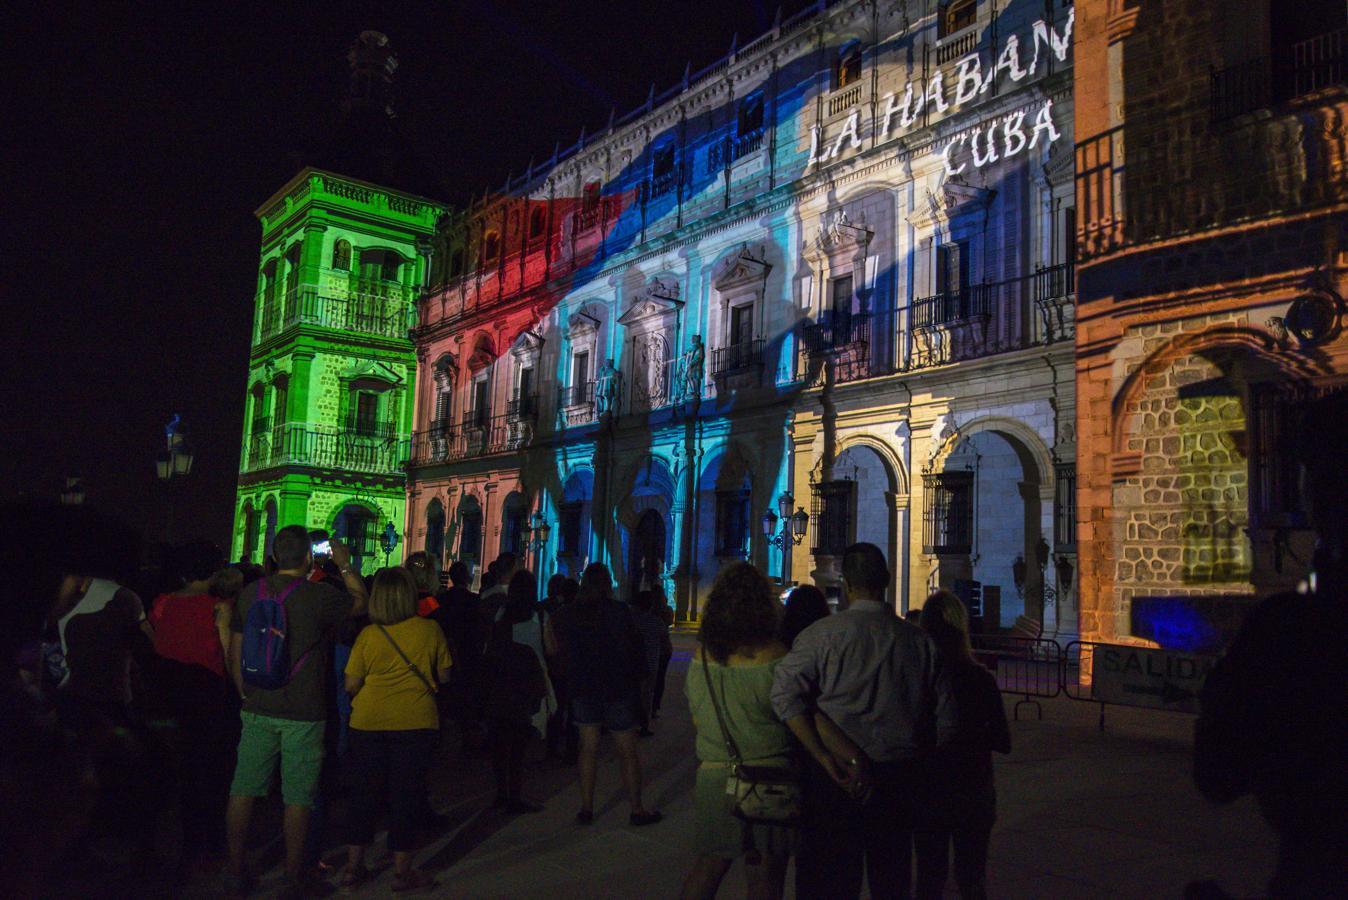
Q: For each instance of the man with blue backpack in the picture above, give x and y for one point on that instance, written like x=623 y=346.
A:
x=280 y=654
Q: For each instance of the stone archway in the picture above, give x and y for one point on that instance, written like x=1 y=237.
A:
x=435 y=530
x=873 y=511
x=987 y=519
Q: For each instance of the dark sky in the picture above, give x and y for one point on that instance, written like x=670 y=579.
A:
x=141 y=138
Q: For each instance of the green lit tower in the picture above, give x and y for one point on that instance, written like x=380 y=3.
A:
x=331 y=371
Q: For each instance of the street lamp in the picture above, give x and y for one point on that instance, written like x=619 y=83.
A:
x=388 y=541
x=536 y=537
x=174 y=462
x=73 y=495
x=793 y=530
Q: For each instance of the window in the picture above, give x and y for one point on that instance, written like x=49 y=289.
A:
x=481 y=402
x=589 y=200
x=569 y=528
x=281 y=393
x=491 y=246
x=341 y=255
x=537 y=222
x=948 y=514
x=1069 y=227
x=367 y=413
x=456 y=263
x=524 y=393
x=751 y=115
x=952 y=267
x=832 y=516
x=732 y=524
x=957 y=15
x=848 y=70
x=741 y=324
x=1064 y=507
x=662 y=170
x=580 y=369
x=840 y=290
x=1274 y=429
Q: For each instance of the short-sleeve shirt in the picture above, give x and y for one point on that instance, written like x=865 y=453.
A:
x=745 y=696
x=98 y=636
x=184 y=630
x=313 y=612
x=392 y=697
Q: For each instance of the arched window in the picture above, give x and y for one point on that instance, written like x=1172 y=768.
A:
x=249 y=518
x=341 y=255
x=848 y=69
x=537 y=221
x=491 y=246
x=956 y=16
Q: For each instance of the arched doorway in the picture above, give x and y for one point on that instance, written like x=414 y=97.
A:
x=435 y=531
x=355 y=527
x=249 y=518
x=514 y=516
x=983 y=520
x=646 y=553
x=573 y=523
x=873 y=517
x=470 y=532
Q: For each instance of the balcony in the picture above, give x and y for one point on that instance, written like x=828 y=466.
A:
x=1293 y=71
x=522 y=408
x=367 y=306
x=844 y=342
x=749 y=143
x=576 y=403
x=989 y=318
x=844 y=99
x=837 y=332
x=741 y=357
x=475 y=437
x=662 y=184
x=345 y=449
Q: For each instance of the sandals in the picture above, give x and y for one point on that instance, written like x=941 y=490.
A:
x=414 y=880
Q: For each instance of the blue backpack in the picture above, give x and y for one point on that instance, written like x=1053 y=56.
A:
x=266 y=640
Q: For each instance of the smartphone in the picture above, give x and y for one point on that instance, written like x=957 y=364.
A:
x=322 y=548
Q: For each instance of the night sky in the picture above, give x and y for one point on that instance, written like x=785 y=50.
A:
x=140 y=140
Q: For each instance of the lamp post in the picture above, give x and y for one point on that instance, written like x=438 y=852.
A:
x=73 y=495
x=388 y=541
x=793 y=530
x=536 y=537
x=174 y=462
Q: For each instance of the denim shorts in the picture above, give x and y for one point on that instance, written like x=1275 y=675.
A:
x=615 y=715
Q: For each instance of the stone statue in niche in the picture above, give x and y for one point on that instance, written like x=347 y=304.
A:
x=606 y=389
x=694 y=369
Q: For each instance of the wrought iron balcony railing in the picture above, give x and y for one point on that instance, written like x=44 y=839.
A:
x=738 y=357
x=522 y=408
x=836 y=331
x=989 y=318
x=1292 y=71
x=574 y=395
x=365 y=306
x=299 y=444
x=444 y=442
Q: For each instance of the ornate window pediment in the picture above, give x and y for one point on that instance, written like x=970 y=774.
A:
x=954 y=200
x=839 y=236
x=372 y=370
x=581 y=324
x=527 y=346
x=748 y=266
x=658 y=298
x=483 y=354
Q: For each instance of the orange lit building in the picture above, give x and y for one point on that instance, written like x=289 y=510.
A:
x=1211 y=199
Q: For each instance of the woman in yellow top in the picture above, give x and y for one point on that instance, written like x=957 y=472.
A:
x=396 y=665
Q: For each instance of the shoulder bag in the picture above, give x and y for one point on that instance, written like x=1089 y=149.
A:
x=430 y=685
x=763 y=795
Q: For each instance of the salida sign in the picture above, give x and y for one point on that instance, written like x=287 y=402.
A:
x=998 y=138
x=1140 y=676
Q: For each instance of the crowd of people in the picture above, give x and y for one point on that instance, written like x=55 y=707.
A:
x=858 y=742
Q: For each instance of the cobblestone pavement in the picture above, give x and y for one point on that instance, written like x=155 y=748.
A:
x=1082 y=813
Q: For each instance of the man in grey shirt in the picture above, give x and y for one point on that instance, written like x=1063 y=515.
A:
x=865 y=694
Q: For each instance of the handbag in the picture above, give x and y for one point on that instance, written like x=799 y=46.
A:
x=430 y=686
x=762 y=795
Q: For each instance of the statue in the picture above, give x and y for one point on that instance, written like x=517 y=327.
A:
x=606 y=388
x=694 y=369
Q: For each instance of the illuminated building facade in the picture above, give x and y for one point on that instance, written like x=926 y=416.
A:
x=833 y=265
x=1212 y=272
x=332 y=370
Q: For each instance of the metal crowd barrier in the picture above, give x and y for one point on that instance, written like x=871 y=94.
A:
x=1027 y=667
